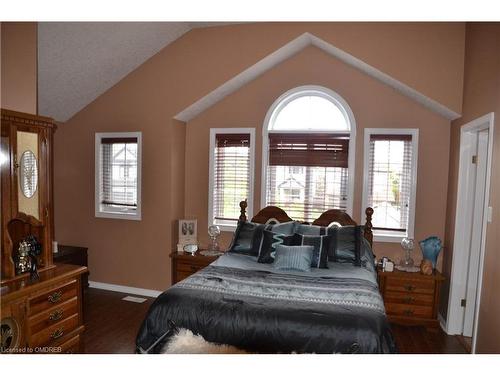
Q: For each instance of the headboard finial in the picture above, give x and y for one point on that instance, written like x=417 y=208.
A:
x=243 y=207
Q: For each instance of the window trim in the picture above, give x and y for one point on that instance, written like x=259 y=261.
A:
x=137 y=215
x=250 y=199
x=385 y=236
x=280 y=103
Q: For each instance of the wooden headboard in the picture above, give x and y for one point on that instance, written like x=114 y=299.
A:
x=273 y=213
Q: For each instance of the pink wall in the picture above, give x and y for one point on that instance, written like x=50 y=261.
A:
x=426 y=56
x=481 y=96
x=374 y=106
x=19 y=66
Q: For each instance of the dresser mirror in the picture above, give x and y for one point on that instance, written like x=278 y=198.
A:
x=27 y=173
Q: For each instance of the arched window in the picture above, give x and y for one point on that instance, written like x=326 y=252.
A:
x=308 y=153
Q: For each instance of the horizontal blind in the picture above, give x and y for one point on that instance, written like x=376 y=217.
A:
x=307 y=173
x=306 y=149
x=389 y=180
x=119 y=172
x=231 y=174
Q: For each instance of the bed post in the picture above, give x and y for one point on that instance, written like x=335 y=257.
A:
x=369 y=226
x=243 y=207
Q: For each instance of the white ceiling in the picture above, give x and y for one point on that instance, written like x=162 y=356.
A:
x=78 y=61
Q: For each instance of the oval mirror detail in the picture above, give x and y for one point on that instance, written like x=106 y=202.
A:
x=28 y=174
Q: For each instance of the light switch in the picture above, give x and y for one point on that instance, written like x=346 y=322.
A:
x=490 y=214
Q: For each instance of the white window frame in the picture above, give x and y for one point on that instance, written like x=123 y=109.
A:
x=390 y=236
x=250 y=200
x=122 y=213
x=341 y=104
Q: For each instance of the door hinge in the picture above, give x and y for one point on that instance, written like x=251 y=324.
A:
x=463 y=302
x=474 y=159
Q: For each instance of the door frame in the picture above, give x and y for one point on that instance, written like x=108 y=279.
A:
x=463 y=221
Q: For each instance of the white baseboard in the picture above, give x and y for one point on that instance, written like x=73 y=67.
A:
x=125 y=289
x=442 y=323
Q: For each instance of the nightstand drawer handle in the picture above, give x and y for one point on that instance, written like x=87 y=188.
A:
x=194 y=268
x=56 y=315
x=57 y=333
x=409 y=287
x=55 y=297
x=409 y=300
x=408 y=312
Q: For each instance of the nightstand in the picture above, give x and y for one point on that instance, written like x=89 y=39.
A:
x=73 y=255
x=411 y=298
x=185 y=264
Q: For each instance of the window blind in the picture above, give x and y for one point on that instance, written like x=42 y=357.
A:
x=119 y=173
x=389 y=180
x=307 y=173
x=231 y=176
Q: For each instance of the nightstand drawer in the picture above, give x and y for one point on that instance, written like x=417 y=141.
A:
x=409 y=298
x=408 y=311
x=189 y=267
x=410 y=286
x=53 y=297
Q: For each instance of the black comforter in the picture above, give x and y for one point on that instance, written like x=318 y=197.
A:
x=266 y=312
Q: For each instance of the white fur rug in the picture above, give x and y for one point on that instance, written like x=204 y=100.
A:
x=185 y=342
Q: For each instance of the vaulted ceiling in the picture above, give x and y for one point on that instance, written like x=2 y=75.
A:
x=78 y=61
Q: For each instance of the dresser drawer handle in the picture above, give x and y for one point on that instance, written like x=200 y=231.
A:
x=409 y=300
x=56 y=334
x=409 y=287
x=55 y=297
x=56 y=315
x=408 y=312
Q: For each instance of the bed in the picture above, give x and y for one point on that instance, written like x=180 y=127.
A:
x=240 y=302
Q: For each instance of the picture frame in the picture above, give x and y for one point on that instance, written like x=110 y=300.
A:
x=188 y=231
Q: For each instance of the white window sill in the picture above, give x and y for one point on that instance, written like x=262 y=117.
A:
x=388 y=237
x=119 y=215
x=227 y=227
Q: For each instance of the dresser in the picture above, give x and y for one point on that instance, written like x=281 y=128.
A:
x=185 y=264
x=37 y=314
x=411 y=298
x=43 y=316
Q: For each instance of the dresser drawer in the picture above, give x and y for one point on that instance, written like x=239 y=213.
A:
x=409 y=298
x=52 y=297
x=72 y=346
x=53 y=315
x=49 y=336
x=408 y=311
x=410 y=286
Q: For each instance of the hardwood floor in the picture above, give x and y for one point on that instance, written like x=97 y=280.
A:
x=111 y=326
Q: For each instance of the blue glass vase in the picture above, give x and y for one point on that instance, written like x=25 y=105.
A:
x=431 y=247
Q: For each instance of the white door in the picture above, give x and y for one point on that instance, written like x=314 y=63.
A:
x=481 y=161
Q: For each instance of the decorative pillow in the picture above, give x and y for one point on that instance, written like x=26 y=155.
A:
x=321 y=246
x=247 y=238
x=269 y=242
x=287 y=228
x=347 y=244
x=297 y=258
x=310 y=230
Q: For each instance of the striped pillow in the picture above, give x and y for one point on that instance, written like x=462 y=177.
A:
x=322 y=247
x=296 y=258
